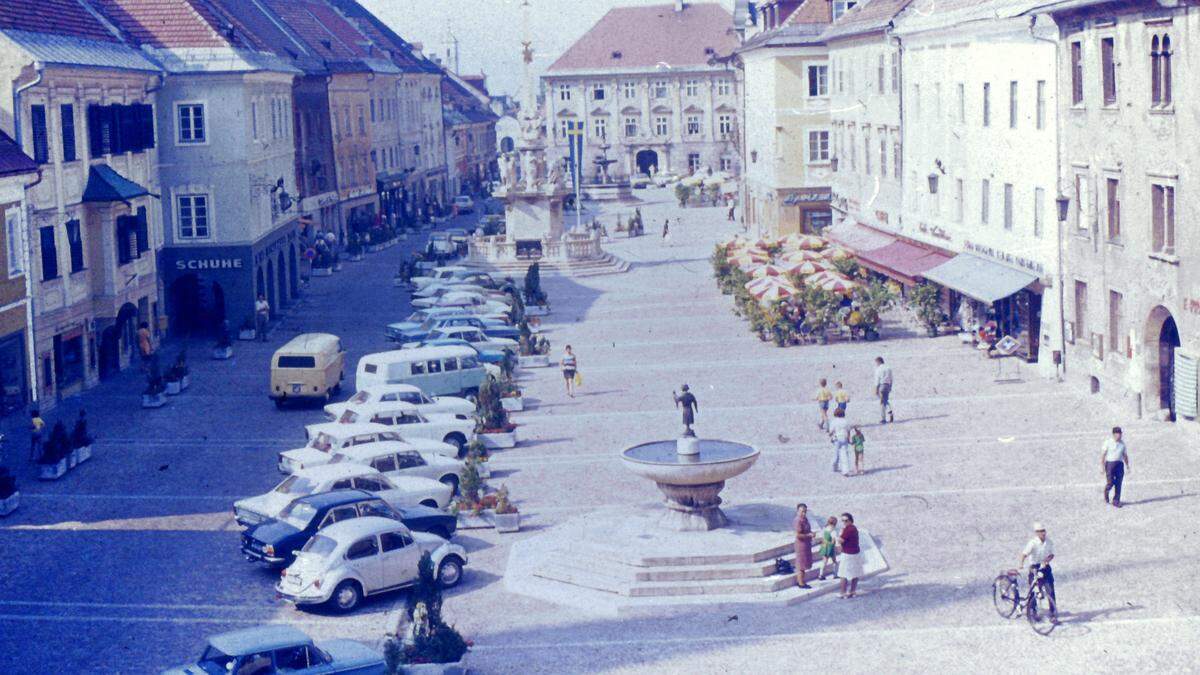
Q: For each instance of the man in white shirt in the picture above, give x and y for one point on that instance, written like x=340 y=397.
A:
x=839 y=433
x=1114 y=459
x=262 y=314
x=883 y=389
x=1040 y=551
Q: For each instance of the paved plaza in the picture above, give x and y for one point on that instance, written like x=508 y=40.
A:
x=129 y=562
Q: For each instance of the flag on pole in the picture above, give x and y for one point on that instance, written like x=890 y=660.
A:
x=575 y=144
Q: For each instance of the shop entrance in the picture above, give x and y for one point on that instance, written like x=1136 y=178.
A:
x=647 y=161
x=197 y=305
x=1165 y=334
x=112 y=338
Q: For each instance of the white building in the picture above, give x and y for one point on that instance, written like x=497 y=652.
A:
x=664 y=103
x=979 y=163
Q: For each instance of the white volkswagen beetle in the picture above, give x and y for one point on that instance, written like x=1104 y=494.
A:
x=404 y=393
x=365 y=556
x=400 y=459
x=326 y=439
x=398 y=491
x=456 y=430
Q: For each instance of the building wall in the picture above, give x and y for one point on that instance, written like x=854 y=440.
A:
x=349 y=105
x=780 y=158
x=1140 y=145
x=716 y=94
x=385 y=123
x=316 y=173
x=15 y=382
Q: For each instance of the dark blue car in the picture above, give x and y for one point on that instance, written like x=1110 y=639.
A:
x=276 y=541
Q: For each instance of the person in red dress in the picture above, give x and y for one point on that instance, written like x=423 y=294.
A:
x=804 y=541
x=850 y=567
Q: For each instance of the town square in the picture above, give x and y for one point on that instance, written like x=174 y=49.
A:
x=329 y=355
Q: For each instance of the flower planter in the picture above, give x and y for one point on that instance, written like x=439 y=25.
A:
x=499 y=441
x=154 y=400
x=471 y=521
x=356 y=257
x=185 y=382
x=247 y=334
x=73 y=458
x=337 y=267
x=222 y=353
x=173 y=388
x=513 y=404
x=507 y=522
x=536 y=310
x=10 y=504
x=85 y=453
x=52 y=471
x=457 y=668
x=534 y=361
x=321 y=272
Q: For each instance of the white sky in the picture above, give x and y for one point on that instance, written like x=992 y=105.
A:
x=489 y=31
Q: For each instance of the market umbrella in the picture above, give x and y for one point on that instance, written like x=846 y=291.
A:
x=837 y=253
x=746 y=262
x=767 y=270
x=839 y=284
x=796 y=241
x=775 y=292
x=798 y=256
x=749 y=253
x=818 y=278
x=693 y=181
x=715 y=179
x=804 y=267
x=759 y=284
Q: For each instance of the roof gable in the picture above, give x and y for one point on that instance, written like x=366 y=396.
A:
x=322 y=30
x=170 y=24
x=645 y=37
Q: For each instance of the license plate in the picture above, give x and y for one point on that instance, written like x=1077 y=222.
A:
x=295 y=389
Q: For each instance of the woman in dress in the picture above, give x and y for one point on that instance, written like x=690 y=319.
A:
x=850 y=567
x=804 y=541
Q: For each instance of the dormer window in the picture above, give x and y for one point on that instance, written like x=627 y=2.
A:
x=616 y=55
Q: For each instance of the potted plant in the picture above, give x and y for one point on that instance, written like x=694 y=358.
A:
x=247 y=330
x=10 y=496
x=873 y=300
x=493 y=427
x=54 y=460
x=154 y=395
x=534 y=349
x=223 y=350
x=429 y=644
x=181 y=372
x=511 y=396
x=507 y=517
x=820 y=311
x=354 y=247
x=926 y=300
x=536 y=302
x=683 y=193
x=81 y=440
x=173 y=381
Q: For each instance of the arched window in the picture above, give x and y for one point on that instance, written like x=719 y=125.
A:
x=1155 y=72
x=1165 y=56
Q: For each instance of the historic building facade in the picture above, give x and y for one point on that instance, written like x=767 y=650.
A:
x=17 y=370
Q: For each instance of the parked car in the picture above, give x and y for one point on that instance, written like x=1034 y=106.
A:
x=400 y=491
x=458 y=235
x=457 y=430
x=440 y=241
x=451 y=320
x=310 y=366
x=365 y=556
x=465 y=204
x=264 y=650
x=469 y=334
x=326 y=439
x=275 y=541
x=475 y=303
x=406 y=393
x=436 y=292
x=490 y=358
x=400 y=459
x=438 y=371
x=440 y=273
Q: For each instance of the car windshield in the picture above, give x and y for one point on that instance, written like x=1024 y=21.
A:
x=296 y=485
x=322 y=442
x=360 y=397
x=298 y=514
x=416 y=317
x=413 y=397
x=215 y=661
x=320 y=546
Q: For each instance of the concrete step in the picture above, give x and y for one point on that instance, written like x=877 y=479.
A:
x=619 y=555
x=713 y=587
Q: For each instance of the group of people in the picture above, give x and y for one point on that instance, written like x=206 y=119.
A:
x=842 y=433
x=840 y=552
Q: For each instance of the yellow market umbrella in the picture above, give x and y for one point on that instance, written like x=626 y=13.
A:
x=796 y=241
x=839 y=284
x=801 y=255
x=768 y=270
x=775 y=292
x=818 y=278
x=755 y=254
x=804 y=267
x=837 y=253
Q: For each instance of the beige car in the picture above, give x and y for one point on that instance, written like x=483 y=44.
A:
x=309 y=367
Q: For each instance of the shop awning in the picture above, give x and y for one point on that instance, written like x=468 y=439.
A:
x=902 y=260
x=979 y=278
x=106 y=185
x=856 y=237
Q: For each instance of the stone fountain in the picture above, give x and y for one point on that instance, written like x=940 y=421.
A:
x=604 y=187
x=691 y=473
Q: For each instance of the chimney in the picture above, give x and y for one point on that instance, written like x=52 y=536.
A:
x=678 y=6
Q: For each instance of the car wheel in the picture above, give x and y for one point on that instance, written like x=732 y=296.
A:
x=452 y=481
x=459 y=442
x=449 y=572
x=346 y=596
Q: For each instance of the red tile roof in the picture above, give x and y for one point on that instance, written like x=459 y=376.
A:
x=55 y=17
x=169 y=24
x=865 y=17
x=648 y=36
x=323 y=30
x=811 y=12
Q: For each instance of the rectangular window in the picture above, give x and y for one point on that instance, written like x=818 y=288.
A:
x=254 y=120
x=629 y=89
x=1112 y=196
x=693 y=162
x=49 y=253
x=564 y=92
x=897 y=161
x=75 y=239
x=727 y=164
x=126 y=241
x=1082 y=205
x=193 y=216
x=916 y=102
x=41 y=139
x=362 y=121
x=817 y=80
x=818 y=146
x=725 y=125
x=958 y=200
x=1114 y=321
x=598 y=92
x=985 y=198
x=691 y=88
x=1081 y=295
x=660 y=89
x=724 y=87
x=372 y=110
x=1008 y=206
x=631 y=127
x=962 y=104
x=693 y=125
x=987 y=104
x=879 y=72
x=600 y=127
x=14 y=238
x=1041 y=104
x=1108 y=71
x=1012 y=105
x=883 y=158
x=67 y=112
x=1162 y=218
x=895 y=72
x=563 y=128
x=662 y=125
x=191 y=122
x=867 y=152
x=1076 y=73
x=1039 y=201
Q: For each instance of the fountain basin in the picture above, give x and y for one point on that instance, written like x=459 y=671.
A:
x=691 y=483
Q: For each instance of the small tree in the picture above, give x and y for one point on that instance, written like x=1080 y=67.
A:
x=849 y=267
x=683 y=193
x=493 y=418
x=926 y=300
x=820 y=309
x=430 y=639
x=874 y=299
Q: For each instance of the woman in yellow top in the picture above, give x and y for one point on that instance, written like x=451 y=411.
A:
x=823 y=397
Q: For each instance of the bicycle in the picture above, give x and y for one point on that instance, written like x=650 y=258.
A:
x=1038 y=605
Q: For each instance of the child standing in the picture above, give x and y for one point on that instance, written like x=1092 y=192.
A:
x=823 y=396
x=840 y=396
x=828 y=550
x=858 y=441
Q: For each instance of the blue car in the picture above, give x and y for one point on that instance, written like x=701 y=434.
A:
x=282 y=649
x=418 y=332
x=420 y=322
x=275 y=541
x=492 y=356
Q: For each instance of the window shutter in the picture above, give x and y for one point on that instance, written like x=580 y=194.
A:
x=1186 y=376
x=41 y=146
x=95 y=137
x=146 y=124
x=49 y=253
x=143 y=231
x=68 y=131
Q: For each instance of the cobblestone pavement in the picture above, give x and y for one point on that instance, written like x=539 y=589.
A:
x=127 y=563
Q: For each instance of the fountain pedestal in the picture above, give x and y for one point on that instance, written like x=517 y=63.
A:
x=693 y=508
x=690 y=472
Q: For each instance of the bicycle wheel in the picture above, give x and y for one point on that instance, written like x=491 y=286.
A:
x=1005 y=595
x=1041 y=612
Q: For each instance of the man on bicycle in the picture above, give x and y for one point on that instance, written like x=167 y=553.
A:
x=1040 y=551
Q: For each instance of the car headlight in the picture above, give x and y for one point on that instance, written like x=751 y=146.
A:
x=269 y=549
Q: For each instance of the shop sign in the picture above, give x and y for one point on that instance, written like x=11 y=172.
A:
x=319 y=201
x=209 y=264
x=934 y=231
x=360 y=192
x=275 y=246
x=1004 y=257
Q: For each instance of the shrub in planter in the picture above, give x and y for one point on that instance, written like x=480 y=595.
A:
x=926 y=300
x=81 y=440
x=10 y=497
x=247 y=331
x=54 y=463
x=429 y=638
x=507 y=517
x=224 y=347
x=154 y=395
x=683 y=193
x=820 y=309
x=873 y=300
x=493 y=418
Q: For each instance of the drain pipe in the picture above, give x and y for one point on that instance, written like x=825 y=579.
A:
x=26 y=254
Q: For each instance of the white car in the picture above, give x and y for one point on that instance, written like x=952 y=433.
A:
x=438 y=288
x=438 y=291
x=473 y=302
x=457 y=430
x=469 y=334
x=396 y=460
x=326 y=439
x=397 y=491
x=365 y=556
x=441 y=273
x=405 y=393
x=465 y=204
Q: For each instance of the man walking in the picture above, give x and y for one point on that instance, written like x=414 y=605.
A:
x=883 y=389
x=36 y=425
x=839 y=433
x=262 y=314
x=1114 y=458
x=1040 y=551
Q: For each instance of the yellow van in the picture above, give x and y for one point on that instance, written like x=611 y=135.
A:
x=309 y=367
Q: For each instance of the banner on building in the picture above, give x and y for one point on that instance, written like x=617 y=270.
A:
x=575 y=144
